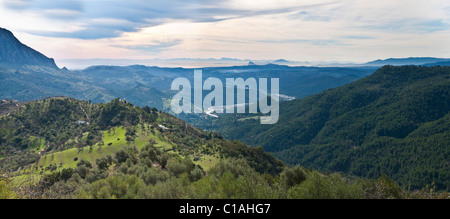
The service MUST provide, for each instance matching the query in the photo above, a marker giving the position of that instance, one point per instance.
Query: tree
(102, 163)
(121, 156)
(83, 168)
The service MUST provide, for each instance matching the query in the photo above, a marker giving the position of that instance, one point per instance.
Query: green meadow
(113, 141)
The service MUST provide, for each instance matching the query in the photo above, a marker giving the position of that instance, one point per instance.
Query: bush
(176, 166)
(6, 191)
(154, 175)
(293, 176)
(237, 167)
(127, 153)
(196, 174)
(383, 188)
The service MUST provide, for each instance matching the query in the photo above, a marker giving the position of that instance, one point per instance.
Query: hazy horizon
(79, 64)
(76, 64)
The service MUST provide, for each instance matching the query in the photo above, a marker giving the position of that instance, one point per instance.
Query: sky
(297, 30)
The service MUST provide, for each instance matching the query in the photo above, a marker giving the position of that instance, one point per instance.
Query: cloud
(16, 4)
(155, 47)
(62, 13)
(133, 15)
(139, 14)
(73, 5)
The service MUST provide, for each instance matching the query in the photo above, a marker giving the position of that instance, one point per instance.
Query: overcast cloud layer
(319, 30)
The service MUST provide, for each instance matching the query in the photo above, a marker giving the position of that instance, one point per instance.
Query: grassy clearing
(144, 135)
(114, 136)
(113, 141)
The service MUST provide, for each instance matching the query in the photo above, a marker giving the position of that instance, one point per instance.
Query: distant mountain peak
(15, 53)
(251, 63)
(281, 61)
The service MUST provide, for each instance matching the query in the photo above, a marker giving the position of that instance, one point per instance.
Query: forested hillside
(394, 122)
(57, 124)
(66, 148)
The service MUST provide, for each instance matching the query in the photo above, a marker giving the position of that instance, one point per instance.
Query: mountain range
(28, 75)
